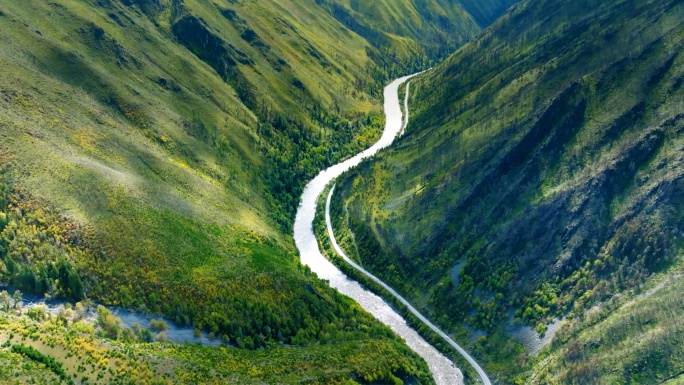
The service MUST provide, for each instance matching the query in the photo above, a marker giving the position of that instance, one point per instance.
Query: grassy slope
(133, 171)
(630, 339)
(406, 32)
(546, 157)
(175, 136)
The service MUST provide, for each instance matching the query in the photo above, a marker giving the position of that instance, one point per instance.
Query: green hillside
(159, 163)
(486, 12)
(406, 32)
(540, 177)
(152, 154)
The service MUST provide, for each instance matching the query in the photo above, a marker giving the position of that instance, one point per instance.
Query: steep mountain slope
(486, 12)
(107, 116)
(153, 152)
(541, 174)
(406, 32)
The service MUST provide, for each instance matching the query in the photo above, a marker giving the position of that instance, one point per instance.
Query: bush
(38, 312)
(158, 325)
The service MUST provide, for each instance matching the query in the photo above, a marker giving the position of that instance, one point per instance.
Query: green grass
(486, 12)
(546, 154)
(414, 32)
(17, 369)
(157, 151)
(49, 362)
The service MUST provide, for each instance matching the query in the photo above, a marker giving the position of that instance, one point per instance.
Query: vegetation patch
(49, 362)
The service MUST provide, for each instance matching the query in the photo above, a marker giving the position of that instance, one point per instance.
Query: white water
(443, 370)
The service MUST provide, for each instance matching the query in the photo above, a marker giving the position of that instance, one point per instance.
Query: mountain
(406, 31)
(541, 179)
(153, 152)
(486, 12)
(409, 31)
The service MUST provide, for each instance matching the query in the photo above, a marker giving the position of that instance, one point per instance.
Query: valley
(263, 177)
(442, 369)
(153, 153)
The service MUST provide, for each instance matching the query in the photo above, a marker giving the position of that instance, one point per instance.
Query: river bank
(443, 370)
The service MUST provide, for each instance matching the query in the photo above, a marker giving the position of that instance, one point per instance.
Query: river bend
(442, 369)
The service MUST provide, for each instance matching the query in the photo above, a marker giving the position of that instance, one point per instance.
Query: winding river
(443, 370)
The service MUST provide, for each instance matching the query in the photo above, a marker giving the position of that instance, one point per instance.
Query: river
(443, 370)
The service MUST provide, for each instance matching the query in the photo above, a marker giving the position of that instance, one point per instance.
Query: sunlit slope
(540, 174)
(153, 153)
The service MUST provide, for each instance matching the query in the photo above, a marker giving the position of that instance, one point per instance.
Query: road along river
(443, 370)
(340, 252)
